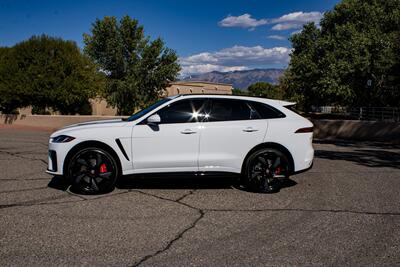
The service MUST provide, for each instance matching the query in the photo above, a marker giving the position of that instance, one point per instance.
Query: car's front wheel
(92, 171)
(264, 169)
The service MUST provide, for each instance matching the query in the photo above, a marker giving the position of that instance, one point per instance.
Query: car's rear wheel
(264, 169)
(92, 171)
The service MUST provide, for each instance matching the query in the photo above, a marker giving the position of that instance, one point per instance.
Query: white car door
(232, 129)
(173, 144)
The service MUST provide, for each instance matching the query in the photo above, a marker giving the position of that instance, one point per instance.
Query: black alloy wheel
(92, 171)
(265, 169)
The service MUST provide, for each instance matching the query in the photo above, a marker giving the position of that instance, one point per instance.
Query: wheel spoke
(276, 163)
(86, 179)
(79, 177)
(255, 174)
(105, 175)
(94, 184)
(266, 182)
(92, 162)
(269, 163)
(99, 159)
(262, 160)
(82, 162)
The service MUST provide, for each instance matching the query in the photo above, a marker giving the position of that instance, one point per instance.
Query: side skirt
(184, 174)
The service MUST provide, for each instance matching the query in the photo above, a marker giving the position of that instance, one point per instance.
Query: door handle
(188, 131)
(250, 129)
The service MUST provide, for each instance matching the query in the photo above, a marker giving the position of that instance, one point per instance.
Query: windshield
(143, 112)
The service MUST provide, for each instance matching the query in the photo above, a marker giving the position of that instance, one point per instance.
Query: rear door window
(230, 110)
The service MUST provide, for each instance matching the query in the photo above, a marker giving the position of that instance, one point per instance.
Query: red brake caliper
(278, 170)
(103, 168)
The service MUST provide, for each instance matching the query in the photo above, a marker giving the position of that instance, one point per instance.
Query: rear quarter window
(266, 112)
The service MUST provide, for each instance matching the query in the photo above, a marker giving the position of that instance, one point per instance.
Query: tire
(92, 170)
(264, 169)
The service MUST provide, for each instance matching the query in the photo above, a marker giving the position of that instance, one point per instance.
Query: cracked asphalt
(345, 211)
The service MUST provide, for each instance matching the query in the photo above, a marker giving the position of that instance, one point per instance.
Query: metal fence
(375, 113)
(363, 113)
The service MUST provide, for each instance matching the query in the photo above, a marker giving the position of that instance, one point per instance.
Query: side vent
(121, 148)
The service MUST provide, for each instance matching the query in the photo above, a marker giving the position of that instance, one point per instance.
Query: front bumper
(57, 154)
(52, 162)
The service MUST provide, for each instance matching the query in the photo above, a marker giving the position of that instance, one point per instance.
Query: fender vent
(122, 149)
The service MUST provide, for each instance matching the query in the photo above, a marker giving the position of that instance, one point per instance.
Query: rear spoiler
(286, 103)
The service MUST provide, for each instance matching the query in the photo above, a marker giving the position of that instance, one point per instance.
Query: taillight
(305, 130)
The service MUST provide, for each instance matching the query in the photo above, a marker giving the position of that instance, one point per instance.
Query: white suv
(261, 139)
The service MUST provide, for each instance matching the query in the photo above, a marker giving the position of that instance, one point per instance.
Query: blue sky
(207, 35)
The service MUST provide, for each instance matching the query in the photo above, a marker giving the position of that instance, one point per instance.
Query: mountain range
(239, 79)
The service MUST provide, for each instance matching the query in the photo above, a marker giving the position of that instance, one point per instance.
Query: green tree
(137, 69)
(264, 89)
(9, 99)
(3, 51)
(47, 72)
(237, 91)
(299, 81)
(358, 41)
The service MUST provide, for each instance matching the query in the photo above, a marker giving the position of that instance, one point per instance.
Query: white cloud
(294, 20)
(203, 68)
(286, 26)
(202, 58)
(296, 32)
(234, 58)
(276, 37)
(299, 17)
(242, 21)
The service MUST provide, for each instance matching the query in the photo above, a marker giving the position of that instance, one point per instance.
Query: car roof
(239, 97)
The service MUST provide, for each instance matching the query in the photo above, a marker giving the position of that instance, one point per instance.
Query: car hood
(95, 123)
(89, 125)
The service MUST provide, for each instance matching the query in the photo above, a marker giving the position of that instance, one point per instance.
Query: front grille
(52, 160)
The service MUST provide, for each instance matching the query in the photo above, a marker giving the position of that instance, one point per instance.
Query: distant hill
(239, 79)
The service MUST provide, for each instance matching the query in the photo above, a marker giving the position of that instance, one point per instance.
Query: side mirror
(154, 119)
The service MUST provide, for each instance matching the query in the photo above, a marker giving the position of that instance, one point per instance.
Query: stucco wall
(48, 121)
(100, 108)
(357, 130)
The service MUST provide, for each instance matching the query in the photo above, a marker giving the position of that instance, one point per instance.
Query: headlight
(62, 139)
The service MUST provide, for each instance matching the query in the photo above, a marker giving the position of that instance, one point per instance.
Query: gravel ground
(345, 211)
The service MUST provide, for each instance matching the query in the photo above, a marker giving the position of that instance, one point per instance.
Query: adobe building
(100, 107)
(189, 87)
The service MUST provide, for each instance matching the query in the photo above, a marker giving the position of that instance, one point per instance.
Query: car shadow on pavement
(174, 181)
(171, 181)
(365, 157)
(59, 183)
(189, 181)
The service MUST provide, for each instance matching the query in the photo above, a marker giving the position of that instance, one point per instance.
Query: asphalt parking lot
(345, 211)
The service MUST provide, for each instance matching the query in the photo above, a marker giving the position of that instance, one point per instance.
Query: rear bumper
(302, 152)
(51, 172)
(304, 170)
